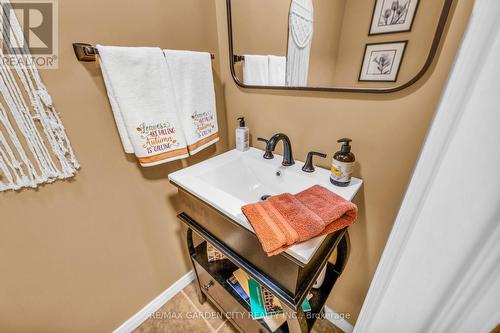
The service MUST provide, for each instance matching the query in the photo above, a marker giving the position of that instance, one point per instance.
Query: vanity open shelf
(220, 271)
(212, 283)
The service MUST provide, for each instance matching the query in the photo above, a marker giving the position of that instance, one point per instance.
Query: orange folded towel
(284, 220)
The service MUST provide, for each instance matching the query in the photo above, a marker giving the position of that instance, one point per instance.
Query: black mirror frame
(432, 53)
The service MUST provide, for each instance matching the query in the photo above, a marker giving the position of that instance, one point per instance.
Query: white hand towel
(256, 70)
(141, 95)
(277, 71)
(194, 90)
(120, 123)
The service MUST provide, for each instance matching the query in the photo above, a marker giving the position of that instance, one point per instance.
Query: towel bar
(87, 53)
(238, 58)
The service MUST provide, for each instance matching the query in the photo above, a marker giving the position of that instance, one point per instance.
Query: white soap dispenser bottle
(242, 136)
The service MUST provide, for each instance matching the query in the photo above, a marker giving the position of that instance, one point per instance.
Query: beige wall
(388, 131)
(86, 254)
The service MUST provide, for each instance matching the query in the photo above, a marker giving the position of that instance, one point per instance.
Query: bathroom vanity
(212, 194)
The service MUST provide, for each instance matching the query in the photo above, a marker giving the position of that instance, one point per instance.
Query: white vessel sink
(233, 179)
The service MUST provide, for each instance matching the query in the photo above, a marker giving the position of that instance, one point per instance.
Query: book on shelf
(233, 282)
(263, 304)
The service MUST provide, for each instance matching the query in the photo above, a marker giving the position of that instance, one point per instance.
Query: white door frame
(468, 293)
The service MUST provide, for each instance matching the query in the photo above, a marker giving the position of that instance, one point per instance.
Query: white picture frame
(382, 61)
(390, 16)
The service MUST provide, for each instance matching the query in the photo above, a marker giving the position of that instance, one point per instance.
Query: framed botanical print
(382, 61)
(391, 16)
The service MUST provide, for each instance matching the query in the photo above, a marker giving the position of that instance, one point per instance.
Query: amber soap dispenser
(342, 164)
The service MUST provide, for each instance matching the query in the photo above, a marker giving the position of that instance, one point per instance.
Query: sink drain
(265, 197)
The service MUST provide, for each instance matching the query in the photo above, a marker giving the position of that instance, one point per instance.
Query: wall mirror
(373, 46)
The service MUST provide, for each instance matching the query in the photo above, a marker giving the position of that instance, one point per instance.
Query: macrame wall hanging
(34, 147)
(300, 36)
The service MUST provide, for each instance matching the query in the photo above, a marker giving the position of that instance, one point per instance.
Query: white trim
(337, 320)
(136, 320)
(475, 48)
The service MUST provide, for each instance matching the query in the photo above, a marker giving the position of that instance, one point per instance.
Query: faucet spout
(287, 148)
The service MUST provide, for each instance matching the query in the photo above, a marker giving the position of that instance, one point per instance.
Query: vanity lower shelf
(213, 278)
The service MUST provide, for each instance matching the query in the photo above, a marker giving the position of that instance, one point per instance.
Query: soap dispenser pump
(342, 164)
(242, 136)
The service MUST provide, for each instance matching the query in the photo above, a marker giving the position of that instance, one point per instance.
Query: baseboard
(337, 320)
(136, 320)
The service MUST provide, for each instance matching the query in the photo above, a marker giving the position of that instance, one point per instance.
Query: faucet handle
(263, 140)
(308, 166)
(269, 154)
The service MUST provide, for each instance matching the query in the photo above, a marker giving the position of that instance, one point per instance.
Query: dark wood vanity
(287, 278)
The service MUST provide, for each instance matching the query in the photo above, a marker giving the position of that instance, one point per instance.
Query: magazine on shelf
(265, 306)
(233, 282)
(273, 322)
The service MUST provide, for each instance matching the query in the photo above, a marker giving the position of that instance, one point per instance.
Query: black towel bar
(87, 53)
(238, 58)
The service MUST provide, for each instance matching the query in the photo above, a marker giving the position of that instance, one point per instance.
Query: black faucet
(287, 151)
